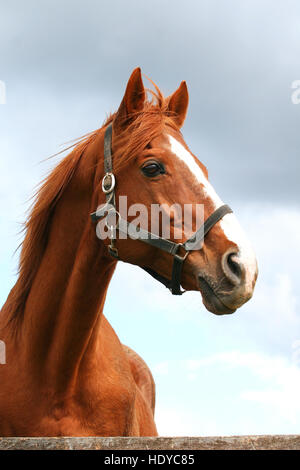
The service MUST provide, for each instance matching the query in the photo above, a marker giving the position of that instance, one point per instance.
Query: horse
(66, 371)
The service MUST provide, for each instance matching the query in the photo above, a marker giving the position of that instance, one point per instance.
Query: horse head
(154, 168)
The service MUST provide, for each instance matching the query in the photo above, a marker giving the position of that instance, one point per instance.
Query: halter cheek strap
(179, 251)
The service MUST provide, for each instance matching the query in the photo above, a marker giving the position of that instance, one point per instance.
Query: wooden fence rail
(276, 442)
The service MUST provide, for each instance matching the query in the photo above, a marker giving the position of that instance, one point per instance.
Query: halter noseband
(179, 251)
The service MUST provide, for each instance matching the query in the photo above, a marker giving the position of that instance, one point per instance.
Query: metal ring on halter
(175, 250)
(109, 189)
(110, 226)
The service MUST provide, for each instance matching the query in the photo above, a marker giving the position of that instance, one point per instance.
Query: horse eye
(153, 169)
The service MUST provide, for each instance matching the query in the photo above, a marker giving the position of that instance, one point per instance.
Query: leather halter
(179, 251)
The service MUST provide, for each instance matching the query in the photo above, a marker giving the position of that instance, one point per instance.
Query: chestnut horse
(66, 372)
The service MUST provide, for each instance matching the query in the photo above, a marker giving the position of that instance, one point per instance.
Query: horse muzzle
(235, 287)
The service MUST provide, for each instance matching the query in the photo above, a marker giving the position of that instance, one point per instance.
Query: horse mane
(36, 226)
(141, 129)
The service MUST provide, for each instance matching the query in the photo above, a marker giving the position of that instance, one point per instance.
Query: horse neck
(62, 316)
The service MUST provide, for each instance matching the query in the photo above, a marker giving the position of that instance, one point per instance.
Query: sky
(65, 65)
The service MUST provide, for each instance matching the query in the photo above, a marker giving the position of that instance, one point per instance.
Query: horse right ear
(133, 100)
(178, 104)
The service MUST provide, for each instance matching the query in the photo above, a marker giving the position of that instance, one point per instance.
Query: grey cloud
(66, 64)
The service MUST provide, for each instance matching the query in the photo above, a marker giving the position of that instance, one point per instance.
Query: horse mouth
(210, 299)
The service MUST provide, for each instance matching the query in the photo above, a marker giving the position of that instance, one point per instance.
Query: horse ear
(133, 100)
(178, 104)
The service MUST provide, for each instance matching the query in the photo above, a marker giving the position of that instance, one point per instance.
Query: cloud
(280, 379)
(263, 389)
(66, 67)
(181, 421)
(281, 294)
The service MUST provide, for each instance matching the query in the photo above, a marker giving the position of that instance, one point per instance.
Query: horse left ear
(133, 100)
(178, 104)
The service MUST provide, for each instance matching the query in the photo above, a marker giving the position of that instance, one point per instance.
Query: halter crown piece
(174, 249)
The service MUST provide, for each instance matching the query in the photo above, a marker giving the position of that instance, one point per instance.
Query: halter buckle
(108, 183)
(115, 223)
(176, 255)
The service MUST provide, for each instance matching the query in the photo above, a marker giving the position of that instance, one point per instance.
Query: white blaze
(229, 223)
(186, 157)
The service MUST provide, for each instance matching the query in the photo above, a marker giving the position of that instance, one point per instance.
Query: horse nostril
(233, 267)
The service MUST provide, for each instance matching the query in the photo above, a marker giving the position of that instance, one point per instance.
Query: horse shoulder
(142, 376)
